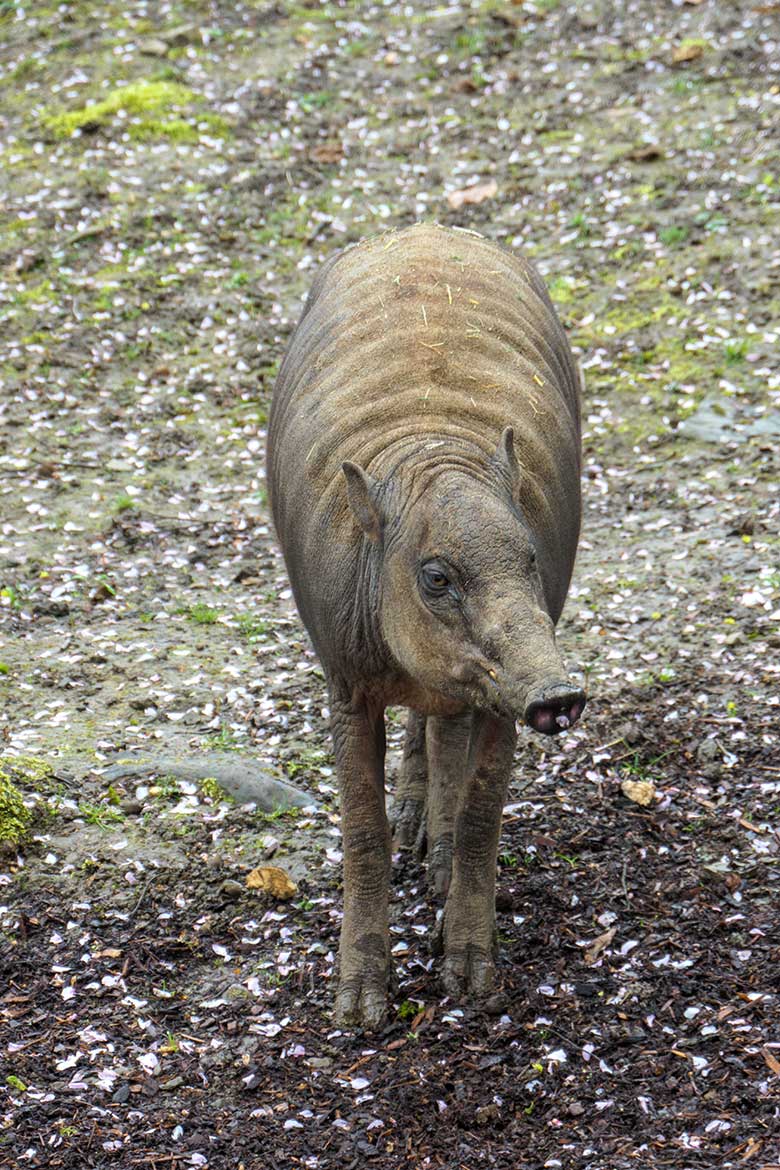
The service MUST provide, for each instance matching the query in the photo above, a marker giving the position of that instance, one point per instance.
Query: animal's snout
(552, 709)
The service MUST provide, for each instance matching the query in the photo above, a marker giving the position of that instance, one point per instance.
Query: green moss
(682, 367)
(138, 99)
(673, 235)
(179, 129)
(15, 817)
(42, 290)
(561, 289)
(32, 769)
(641, 312)
(213, 790)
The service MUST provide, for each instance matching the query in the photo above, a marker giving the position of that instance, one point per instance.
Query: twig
(141, 897)
(623, 881)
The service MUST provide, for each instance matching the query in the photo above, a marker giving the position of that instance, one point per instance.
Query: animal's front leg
(359, 746)
(468, 926)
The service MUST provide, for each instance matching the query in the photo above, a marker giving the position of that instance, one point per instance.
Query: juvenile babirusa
(424, 474)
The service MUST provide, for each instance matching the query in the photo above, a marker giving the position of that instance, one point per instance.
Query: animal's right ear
(363, 496)
(505, 460)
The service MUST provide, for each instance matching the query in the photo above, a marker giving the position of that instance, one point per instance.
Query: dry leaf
(751, 1149)
(423, 1017)
(645, 153)
(687, 51)
(771, 1061)
(693, 3)
(640, 791)
(512, 19)
(476, 194)
(327, 152)
(598, 944)
(272, 880)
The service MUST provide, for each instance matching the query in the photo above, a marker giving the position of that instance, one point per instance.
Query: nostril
(555, 710)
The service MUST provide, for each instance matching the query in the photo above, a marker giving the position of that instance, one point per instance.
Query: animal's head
(463, 607)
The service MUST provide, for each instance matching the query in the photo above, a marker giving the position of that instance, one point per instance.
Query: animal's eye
(434, 579)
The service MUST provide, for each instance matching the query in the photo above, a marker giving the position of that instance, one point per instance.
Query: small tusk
(562, 720)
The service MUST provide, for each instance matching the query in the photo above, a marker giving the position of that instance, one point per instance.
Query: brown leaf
(423, 1017)
(476, 194)
(272, 880)
(327, 152)
(693, 2)
(687, 51)
(598, 944)
(512, 19)
(771, 1061)
(645, 153)
(640, 791)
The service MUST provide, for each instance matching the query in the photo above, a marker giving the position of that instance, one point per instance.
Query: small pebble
(708, 751)
(504, 900)
(496, 1004)
(237, 992)
(231, 889)
(173, 1083)
(131, 807)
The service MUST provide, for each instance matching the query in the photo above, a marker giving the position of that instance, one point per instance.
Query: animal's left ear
(363, 494)
(505, 461)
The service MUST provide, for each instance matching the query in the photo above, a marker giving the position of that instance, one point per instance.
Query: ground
(173, 174)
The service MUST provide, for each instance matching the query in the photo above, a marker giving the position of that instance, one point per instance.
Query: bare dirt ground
(172, 175)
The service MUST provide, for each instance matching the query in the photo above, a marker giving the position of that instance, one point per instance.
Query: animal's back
(426, 336)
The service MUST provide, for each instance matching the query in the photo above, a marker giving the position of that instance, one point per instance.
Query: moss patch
(15, 817)
(143, 102)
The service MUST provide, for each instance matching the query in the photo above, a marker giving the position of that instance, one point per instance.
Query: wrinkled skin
(424, 475)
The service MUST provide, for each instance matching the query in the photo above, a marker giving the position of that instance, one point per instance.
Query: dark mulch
(636, 1020)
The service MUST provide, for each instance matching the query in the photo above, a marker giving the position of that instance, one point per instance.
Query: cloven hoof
(468, 973)
(361, 1003)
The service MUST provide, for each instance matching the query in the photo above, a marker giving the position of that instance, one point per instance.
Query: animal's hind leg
(447, 743)
(408, 809)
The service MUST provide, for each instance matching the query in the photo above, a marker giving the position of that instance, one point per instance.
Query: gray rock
(246, 781)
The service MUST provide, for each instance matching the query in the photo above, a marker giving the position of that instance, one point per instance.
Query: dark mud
(155, 248)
